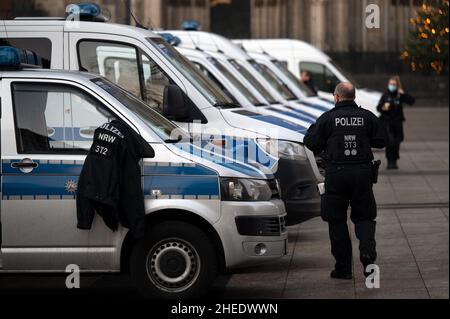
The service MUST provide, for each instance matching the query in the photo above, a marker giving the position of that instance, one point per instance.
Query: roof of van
(209, 42)
(288, 45)
(82, 26)
(48, 74)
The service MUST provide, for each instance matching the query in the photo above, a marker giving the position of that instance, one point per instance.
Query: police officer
(344, 136)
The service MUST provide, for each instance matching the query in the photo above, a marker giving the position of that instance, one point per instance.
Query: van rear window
(41, 46)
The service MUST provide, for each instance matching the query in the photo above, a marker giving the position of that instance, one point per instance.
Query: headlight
(284, 149)
(242, 189)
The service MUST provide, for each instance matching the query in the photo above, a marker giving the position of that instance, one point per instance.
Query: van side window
(126, 66)
(117, 62)
(41, 46)
(155, 81)
(55, 118)
(322, 77)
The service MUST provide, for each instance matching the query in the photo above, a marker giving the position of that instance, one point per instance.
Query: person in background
(391, 110)
(306, 78)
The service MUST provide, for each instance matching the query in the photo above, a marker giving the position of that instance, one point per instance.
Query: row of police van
(226, 121)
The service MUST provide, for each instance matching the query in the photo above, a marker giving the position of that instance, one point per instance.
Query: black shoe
(367, 260)
(341, 275)
(394, 165)
(390, 165)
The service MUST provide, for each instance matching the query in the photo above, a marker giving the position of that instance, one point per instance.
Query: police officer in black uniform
(345, 137)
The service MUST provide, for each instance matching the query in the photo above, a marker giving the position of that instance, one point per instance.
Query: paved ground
(412, 234)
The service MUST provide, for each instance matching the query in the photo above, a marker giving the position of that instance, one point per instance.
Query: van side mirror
(175, 106)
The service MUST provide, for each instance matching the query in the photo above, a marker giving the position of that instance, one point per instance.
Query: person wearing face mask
(391, 110)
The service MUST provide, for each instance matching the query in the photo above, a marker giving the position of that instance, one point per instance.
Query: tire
(173, 260)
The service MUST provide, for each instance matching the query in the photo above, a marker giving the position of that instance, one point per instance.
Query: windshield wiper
(227, 105)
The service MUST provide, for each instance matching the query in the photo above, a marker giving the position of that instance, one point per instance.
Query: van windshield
(235, 82)
(273, 80)
(208, 88)
(301, 86)
(155, 121)
(253, 81)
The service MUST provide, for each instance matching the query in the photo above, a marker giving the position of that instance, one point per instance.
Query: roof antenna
(215, 43)
(138, 24)
(196, 47)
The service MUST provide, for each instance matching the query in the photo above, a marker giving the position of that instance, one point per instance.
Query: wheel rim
(173, 265)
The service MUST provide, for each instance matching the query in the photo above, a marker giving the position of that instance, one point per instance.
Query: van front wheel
(174, 260)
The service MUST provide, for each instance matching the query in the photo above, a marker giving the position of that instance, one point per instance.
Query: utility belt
(374, 165)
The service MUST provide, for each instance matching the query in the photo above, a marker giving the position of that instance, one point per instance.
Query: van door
(47, 128)
(123, 61)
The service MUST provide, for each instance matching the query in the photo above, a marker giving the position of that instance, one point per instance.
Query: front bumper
(240, 243)
(299, 192)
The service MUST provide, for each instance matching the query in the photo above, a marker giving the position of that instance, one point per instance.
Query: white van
(265, 74)
(217, 67)
(203, 214)
(302, 56)
(198, 105)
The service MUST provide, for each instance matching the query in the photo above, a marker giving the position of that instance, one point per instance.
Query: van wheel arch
(173, 215)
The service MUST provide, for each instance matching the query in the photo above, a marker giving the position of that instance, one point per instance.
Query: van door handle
(26, 165)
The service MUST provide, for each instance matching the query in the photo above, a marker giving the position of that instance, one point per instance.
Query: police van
(267, 75)
(248, 94)
(301, 56)
(196, 103)
(204, 213)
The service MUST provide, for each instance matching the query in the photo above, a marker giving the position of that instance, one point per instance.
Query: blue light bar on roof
(190, 25)
(9, 58)
(88, 12)
(12, 58)
(171, 39)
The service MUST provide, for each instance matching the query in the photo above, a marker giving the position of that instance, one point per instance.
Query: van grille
(260, 226)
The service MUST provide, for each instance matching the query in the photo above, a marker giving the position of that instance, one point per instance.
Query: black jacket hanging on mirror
(110, 181)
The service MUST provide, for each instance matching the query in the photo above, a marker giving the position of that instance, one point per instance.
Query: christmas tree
(427, 47)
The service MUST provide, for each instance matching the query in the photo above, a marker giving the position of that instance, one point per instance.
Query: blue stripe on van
(317, 106)
(152, 168)
(38, 187)
(58, 180)
(183, 187)
(297, 115)
(46, 167)
(232, 161)
(280, 122)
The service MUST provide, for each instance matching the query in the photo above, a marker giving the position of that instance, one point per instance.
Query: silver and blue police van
(263, 69)
(144, 64)
(204, 213)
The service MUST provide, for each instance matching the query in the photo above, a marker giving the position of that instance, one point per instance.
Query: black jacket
(395, 101)
(346, 134)
(110, 181)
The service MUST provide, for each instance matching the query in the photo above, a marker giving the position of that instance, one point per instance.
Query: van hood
(272, 126)
(243, 158)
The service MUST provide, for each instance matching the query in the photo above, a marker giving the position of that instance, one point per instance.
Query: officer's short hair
(346, 91)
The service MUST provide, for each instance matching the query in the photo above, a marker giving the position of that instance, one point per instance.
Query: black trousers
(394, 137)
(349, 185)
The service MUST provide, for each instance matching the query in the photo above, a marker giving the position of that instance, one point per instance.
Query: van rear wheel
(174, 260)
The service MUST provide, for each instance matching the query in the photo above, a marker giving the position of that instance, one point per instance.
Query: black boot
(367, 260)
(394, 165)
(341, 275)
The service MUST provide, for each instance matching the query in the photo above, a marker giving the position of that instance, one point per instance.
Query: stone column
(340, 31)
(318, 26)
(152, 13)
